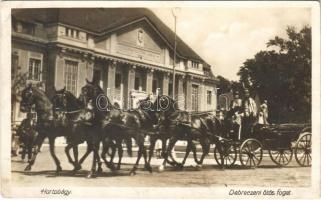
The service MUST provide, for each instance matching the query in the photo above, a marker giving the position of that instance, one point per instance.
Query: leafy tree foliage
(282, 76)
(226, 85)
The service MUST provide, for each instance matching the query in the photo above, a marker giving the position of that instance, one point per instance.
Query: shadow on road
(65, 173)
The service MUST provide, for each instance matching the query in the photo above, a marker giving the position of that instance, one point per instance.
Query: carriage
(280, 141)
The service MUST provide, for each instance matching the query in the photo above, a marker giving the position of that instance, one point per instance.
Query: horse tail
(129, 146)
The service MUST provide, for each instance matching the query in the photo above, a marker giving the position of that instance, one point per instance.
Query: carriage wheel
(281, 157)
(229, 156)
(251, 153)
(302, 150)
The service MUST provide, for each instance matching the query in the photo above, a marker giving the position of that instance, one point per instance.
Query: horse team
(92, 118)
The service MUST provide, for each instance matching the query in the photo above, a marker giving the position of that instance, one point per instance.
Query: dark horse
(82, 126)
(117, 125)
(126, 125)
(175, 124)
(49, 123)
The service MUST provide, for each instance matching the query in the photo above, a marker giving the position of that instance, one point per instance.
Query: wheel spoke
(254, 162)
(247, 160)
(286, 158)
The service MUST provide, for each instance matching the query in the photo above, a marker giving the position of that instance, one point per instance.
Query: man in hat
(234, 114)
(249, 113)
(263, 113)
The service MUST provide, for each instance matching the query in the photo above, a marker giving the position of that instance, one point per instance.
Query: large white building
(129, 51)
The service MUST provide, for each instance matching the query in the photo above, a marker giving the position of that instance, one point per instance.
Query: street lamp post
(174, 12)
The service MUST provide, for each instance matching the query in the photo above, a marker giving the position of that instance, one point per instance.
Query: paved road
(209, 175)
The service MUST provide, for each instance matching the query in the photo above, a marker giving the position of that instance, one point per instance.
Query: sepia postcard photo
(160, 99)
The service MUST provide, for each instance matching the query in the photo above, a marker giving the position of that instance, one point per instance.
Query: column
(149, 81)
(165, 83)
(188, 94)
(59, 70)
(180, 92)
(111, 80)
(202, 102)
(129, 86)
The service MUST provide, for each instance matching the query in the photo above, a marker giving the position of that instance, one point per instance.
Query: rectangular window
(170, 89)
(209, 97)
(117, 81)
(194, 65)
(137, 83)
(154, 86)
(71, 76)
(34, 69)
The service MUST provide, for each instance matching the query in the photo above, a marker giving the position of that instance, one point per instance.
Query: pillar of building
(59, 70)
(188, 101)
(180, 92)
(165, 83)
(202, 102)
(111, 80)
(149, 81)
(129, 87)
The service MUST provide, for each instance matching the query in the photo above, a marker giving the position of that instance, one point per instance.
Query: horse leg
(88, 151)
(76, 163)
(163, 147)
(140, 144)
(187, 152)
(106, 144)
(53, 154)
(39, 140)
(205, 149)
(92, 173)
(99, 162)
(167, 152)
(120, 153)
(151, 148)
(29, 150)
(147, 165)
(67, 151)
(23, 153)
(111, 145)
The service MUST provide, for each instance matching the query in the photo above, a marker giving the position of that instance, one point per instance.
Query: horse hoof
(199, 166)
(59, 169)
(132, 173)
(77, 168)
(91, 175)
(118, 168)
(111, 166)
(28, 168)
(100, 170)
(179, 166)
(161, 168)
(148, 168)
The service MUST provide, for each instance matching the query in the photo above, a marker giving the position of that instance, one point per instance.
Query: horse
(74, 110)
(49, 124)
(136, 124)
(175, 124)
(118, 125)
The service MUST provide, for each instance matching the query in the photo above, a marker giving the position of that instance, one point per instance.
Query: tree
(283, 76)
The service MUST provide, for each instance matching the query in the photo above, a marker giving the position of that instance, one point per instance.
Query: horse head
(59, 99)
(27, 99)
(33, 96)
(164, 106)
(93, 93)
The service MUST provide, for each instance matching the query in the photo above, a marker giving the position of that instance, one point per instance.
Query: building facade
(129, 52)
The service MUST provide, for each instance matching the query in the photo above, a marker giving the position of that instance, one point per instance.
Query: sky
(226, 37)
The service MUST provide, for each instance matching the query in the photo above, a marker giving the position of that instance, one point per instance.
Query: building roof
(100, 20)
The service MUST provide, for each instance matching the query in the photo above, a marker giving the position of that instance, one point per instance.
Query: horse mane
(41, 94)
